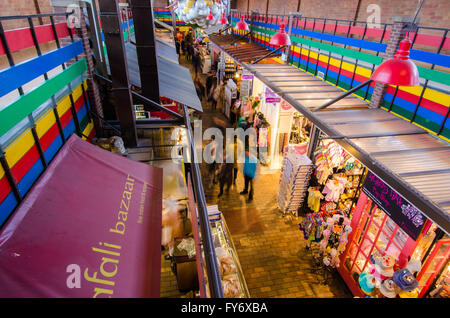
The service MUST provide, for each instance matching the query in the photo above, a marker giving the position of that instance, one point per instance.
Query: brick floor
(269, 246)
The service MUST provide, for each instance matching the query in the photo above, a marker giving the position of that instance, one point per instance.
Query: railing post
(292, 17)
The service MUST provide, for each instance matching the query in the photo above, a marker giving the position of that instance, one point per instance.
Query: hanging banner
(406, 216)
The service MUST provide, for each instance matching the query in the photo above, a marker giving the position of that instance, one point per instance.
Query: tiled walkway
(269, 246)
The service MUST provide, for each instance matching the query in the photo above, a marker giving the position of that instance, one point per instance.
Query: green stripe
(369, 58)
(433, 75)
(12, 114)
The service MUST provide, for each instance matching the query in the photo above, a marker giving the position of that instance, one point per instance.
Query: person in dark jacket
(225, 175)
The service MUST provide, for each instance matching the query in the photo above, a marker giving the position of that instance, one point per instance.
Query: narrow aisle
(269, 246)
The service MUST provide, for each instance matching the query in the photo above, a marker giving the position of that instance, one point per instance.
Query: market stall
(106, 244)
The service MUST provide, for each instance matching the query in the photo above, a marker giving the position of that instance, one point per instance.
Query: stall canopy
(240, 49)
(175, 81)
(406, 157)
(90, 227)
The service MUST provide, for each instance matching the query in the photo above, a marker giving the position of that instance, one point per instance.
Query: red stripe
(79, 103)
(48, 138)
(92, 134)
(5, 189)
(25, 163)
(425, 103)
(66, 118)
(19, 39)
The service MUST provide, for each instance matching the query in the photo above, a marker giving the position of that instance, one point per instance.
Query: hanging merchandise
(295, 173)
(204, 13)
(314, 198)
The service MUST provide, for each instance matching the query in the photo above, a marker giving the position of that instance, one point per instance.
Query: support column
(400, 27)
(92, 91)
(145, 47)
(292, 16)
(115, 45)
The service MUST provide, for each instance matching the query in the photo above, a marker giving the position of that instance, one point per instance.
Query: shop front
(288, 131)
(385, 224)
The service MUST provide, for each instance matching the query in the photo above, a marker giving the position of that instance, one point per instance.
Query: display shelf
(230, 268)
(222, 239)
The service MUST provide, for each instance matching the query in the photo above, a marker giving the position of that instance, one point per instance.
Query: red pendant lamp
(399, 70)
(242, 25)
(280, 38)
(210, 17)
(223, 20)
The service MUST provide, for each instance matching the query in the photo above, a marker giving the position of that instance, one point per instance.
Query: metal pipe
(212, 266)
(268, 54)
(345, 94)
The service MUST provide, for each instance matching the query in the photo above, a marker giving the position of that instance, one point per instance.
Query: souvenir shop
(357, 225)
(287, 130)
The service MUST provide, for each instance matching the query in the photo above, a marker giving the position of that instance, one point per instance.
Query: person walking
(225, 176)
(212, 165)
(196, 61)
(209, 83)
(216, 95)
(183, 46)
(249, 171)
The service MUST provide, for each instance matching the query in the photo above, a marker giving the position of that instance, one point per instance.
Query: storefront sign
(247, 77)
(406, 216)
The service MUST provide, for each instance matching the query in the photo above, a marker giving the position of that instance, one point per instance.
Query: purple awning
(92, 213)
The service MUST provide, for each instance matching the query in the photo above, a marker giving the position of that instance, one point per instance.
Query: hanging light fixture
(399, 70)
(210, 17)
(281, 37)
(242, 25)
(223, 20)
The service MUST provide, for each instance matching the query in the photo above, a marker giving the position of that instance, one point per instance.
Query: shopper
(209, 85)
(225, 175)
(183, 46)
(249, 171)
(216, 95)
(212, 165)
(196, 62)
(200, 88)
(177, 46)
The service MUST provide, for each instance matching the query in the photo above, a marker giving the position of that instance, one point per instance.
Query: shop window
(435, 270)
(375, 232)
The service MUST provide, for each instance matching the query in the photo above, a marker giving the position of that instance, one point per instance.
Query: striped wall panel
(314, 52)
(19, 39)
(23, 157)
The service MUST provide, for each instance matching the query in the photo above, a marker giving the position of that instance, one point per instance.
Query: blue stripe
(30, 177)
(269, 25)
(53, 149)
(20, 74)
(430, 115)
(400, 102)
(70, 128)
(7, 206)
(429, 57)
(82, 113)
(374, 46)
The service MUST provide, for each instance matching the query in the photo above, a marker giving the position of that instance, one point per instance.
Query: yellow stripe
(2, 173)
(63, 106)
(88, 130)
(45, 122)
(19, 148)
